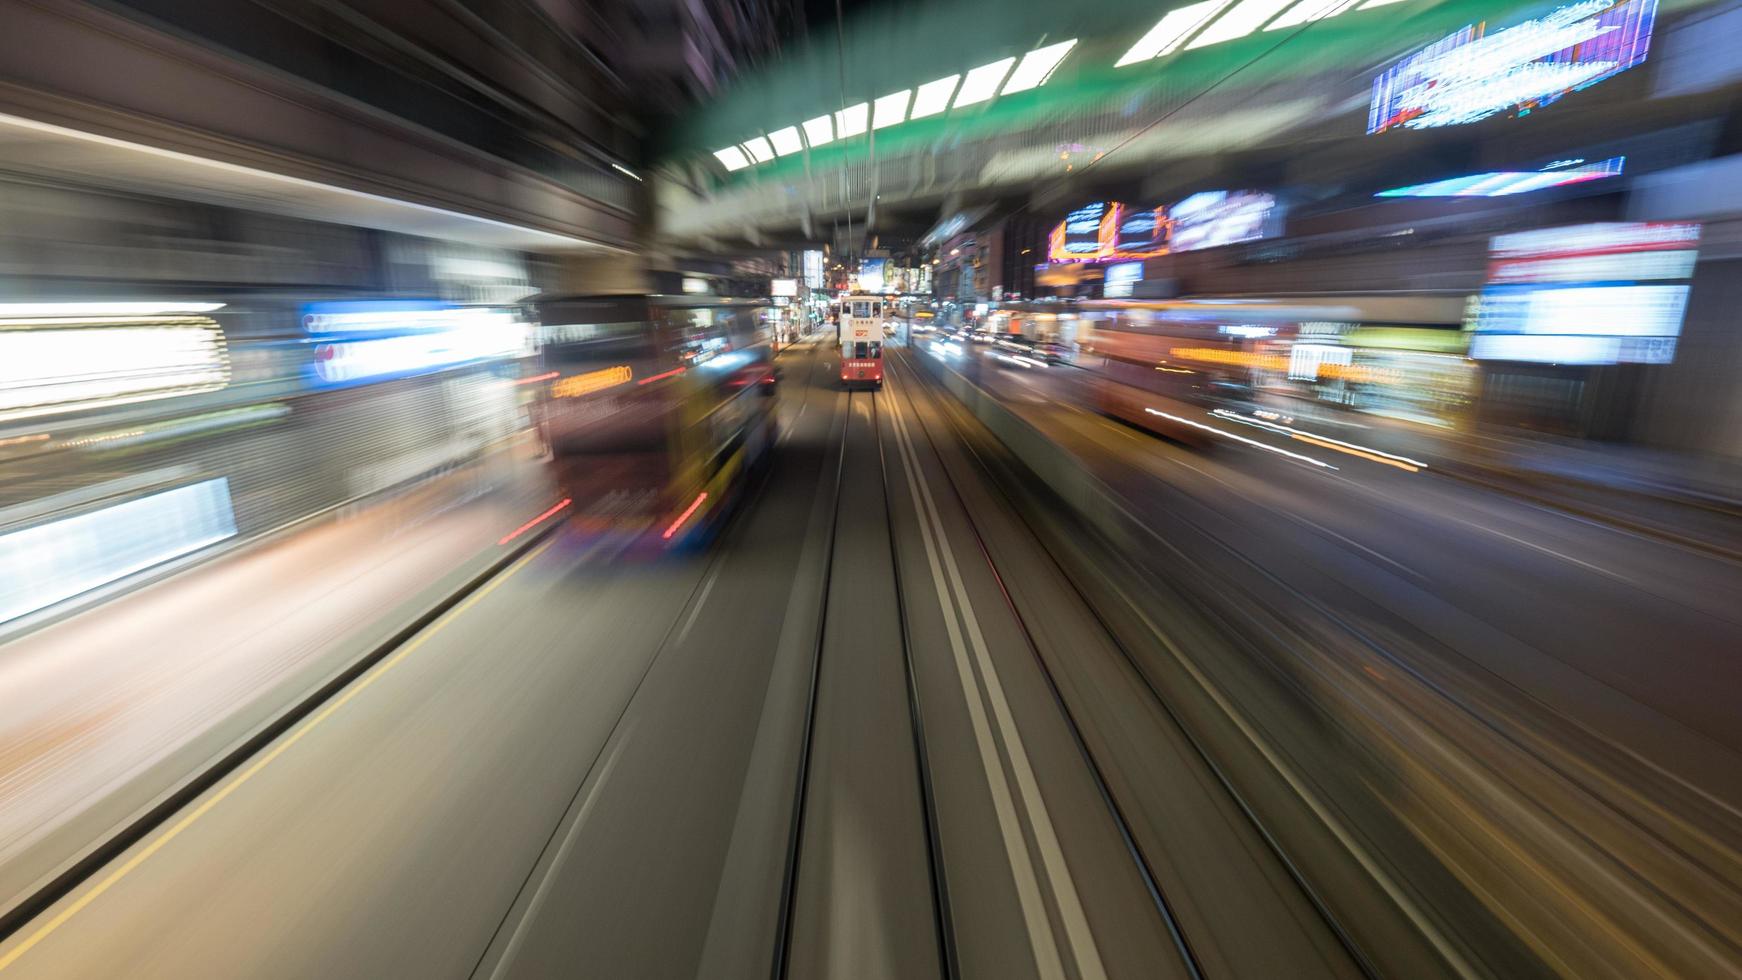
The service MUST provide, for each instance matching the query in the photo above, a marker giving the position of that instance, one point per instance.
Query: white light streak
(891, 109)
(1239, 22)
(786, 141)
(104, 309)
(819, 131)
(759, 149)
(1239, 438)
(1172, 30)
(981, 83)
(1037, 66)
(1278, 427)
(933, 97)
(852, 120)
(1308, 11)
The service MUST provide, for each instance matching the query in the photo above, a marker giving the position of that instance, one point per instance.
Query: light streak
(681, 518)
(1239, 438)
(529, 525)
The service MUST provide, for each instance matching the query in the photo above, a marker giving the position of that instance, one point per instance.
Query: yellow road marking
(144, 854)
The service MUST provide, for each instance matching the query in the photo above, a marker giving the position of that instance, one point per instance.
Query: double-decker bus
(654, 409)
(862, 322)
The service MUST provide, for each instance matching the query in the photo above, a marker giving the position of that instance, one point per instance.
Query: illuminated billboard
(1473, 74)
(1142, 232)
(376, 340)
(1121, 278)
(1108, 230)
(65, 357)
(1085, 234)
(813, 269)
(1502, 183)
(1215, 218)
(1609, 293)
(871, 275)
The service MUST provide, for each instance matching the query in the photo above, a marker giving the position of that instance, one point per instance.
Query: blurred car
(1054, 353)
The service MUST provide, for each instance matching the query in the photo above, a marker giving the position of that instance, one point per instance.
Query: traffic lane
(386, 835)
(666, 867)
(1236, 903)
(391, 837)
(863, 906)
(1597, 791)
(1555, 604)
(1029, 846)
(1555, 607)
(91, 731)
(1606, 837)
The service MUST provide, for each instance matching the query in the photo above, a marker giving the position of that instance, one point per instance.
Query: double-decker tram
(862, 323)
(654, 409)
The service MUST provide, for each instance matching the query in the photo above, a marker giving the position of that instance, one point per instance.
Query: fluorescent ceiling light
(891, 109)
(1037, 66)
(982, 83)
(933, 97)
(852, 120)
(819, 131)
(1239, 22)
(759, 149)
(733, 158)
(1308, 11)
(786, 141)
(625, 171)
(1172, 30)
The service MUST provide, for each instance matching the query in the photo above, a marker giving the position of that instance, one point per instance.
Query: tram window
(863, 349)
(862, 308)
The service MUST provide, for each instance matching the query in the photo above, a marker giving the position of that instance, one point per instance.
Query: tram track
(1163, 906)
(1517, 758)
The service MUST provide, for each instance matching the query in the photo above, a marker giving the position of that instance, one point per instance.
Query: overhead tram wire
(846, 181)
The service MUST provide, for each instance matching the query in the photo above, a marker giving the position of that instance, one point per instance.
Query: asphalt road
(908, 718)
(838, 740)
(1527, 714)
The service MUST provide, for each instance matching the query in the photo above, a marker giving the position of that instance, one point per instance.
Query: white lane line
(512, 949)
(1550, 551)
(1351, 542)
(1076, 923)
(1327, 817)
(701, 600)
(1040, 936)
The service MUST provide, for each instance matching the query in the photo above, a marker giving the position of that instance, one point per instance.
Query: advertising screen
(871, 275)
(1215, 218)
(813, 269)
(1082, 238)
(783, 287)
(1473, 74)
(373, 340)
(1142, 232)
(1610, 293)
(1120, 279)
